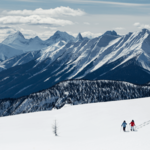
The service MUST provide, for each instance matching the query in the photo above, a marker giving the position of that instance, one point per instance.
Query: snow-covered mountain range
(16, 43)
(110, 56)
(29, 56)
(72, 92)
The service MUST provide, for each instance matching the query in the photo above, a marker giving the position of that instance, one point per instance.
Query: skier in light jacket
(132, 125)
(124, 126)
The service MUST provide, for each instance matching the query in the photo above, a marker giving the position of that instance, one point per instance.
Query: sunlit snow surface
(83, 127)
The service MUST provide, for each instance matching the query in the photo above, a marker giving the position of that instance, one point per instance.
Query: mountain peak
(17, 35)
(60, 33)
(57, 32)
(144, 30)
(111, 33)
(37, 38)
(79, 37)
(59, 36)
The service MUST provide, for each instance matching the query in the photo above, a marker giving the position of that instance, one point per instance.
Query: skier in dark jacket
(124, 126)
(132, 125)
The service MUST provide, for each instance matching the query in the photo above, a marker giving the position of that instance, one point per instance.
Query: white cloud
(86, 23)
(90, 34)
(7, 30)
(37, 21)
(56, 12)
(27, 33)
(4, 27)
(5, 33)
(48, 28)
(147, 26)
(119, 28)
(34, 20)
(136, 24)
(45, 35)
(109, 3)
(40, 16)
(141, 26)
(144, 26)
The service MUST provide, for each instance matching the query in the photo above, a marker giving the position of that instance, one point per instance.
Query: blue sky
(89, 17)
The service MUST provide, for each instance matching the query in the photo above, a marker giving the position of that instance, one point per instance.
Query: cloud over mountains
(56, 12)
(34, 20)
(140, 25)
(40, 16)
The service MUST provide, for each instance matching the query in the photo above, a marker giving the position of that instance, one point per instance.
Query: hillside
(90, 126)
(75, 92)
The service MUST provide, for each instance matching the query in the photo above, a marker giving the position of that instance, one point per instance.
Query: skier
(124, 126)
(132, 125)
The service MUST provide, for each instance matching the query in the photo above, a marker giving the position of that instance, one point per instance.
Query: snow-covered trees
(73, 92)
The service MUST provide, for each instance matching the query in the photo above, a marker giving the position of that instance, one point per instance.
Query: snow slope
(83, 127)
(24, 58)
(6, 52)
(59, 36)
(18, 41)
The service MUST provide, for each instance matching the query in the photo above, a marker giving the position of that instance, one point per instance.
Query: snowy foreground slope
(83, 127)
